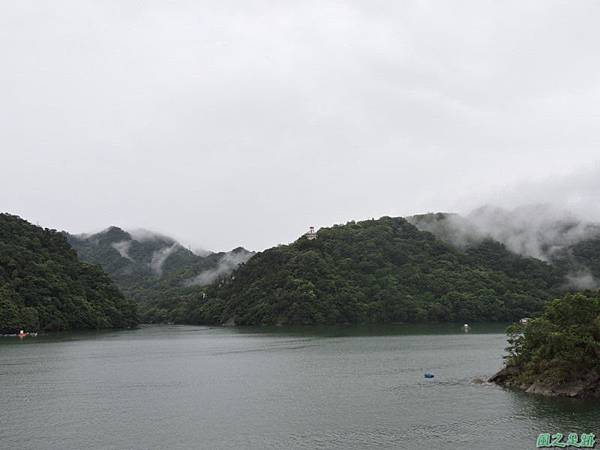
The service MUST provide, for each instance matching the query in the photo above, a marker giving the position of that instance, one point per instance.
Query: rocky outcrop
(505, 375)
(588, 386)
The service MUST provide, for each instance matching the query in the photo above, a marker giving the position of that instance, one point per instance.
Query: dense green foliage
(382, 270)
(562, 345)
(43, 286)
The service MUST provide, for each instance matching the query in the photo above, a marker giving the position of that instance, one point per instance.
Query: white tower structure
(311, 234)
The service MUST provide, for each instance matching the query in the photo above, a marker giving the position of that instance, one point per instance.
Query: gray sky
(232, 123)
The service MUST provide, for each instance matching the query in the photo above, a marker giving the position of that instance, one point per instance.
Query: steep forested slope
(44, 286)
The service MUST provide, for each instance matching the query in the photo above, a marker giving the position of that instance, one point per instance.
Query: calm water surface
(180, 387)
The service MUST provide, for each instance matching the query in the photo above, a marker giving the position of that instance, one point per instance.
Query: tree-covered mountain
(384, 270)
(44, 286)
(489, 265)
(154, 269)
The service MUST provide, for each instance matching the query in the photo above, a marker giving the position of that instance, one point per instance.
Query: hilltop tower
(311, 234)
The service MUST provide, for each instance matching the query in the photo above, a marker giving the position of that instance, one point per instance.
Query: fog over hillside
(140, 259)
(541, 231)
(226, 265)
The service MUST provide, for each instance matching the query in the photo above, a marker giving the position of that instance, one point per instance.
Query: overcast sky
(243, 122)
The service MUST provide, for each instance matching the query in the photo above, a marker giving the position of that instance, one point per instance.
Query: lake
(184, 387)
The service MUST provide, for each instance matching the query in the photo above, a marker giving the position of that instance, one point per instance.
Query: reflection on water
(180, 387)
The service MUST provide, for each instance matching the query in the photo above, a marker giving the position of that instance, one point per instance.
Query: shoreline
(584, 388)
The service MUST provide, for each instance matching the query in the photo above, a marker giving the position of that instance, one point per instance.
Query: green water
(180, 387)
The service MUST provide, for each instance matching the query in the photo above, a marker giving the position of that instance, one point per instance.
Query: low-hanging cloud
(575, 194)
(582, 279)
(160, 256)
(534, 218)
(543, 231)
(143, 235)
(227, 264)
(539, 231)
(123, 248)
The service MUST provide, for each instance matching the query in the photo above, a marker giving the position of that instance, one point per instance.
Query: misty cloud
(534, 230)
(227, 264)
(200, 251)
(544, 232)
(575, 194)
(582, 280)
(143, 235)
(539, 231)
(160, 256)
(123, 248)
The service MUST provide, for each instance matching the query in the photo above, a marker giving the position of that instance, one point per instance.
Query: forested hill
(382, 270)
(149, 267)
(44, 286)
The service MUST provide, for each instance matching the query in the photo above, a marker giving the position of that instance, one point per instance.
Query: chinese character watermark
(557, 440)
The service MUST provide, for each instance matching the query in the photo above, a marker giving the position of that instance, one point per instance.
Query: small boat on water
(428, 375)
